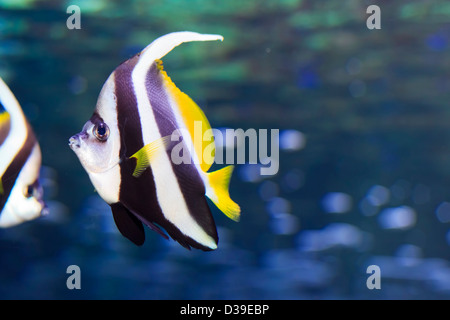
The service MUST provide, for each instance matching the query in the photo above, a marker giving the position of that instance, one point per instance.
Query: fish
(21, 194)
(126, 149)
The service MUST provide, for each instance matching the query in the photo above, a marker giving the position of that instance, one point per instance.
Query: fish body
(126, 149)
(21, 196)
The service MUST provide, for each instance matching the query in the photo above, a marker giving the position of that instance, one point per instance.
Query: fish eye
(33, 190)
(101, 131)
(29, 191)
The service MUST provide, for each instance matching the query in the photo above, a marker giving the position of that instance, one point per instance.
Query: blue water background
(364, 163)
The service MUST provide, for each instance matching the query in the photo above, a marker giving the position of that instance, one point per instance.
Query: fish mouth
(39, 195)
(45, 210)
(74, 142)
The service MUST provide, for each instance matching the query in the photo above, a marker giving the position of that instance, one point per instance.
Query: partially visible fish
(21, 196)
(126, 150)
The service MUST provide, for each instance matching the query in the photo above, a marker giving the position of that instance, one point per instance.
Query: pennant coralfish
(20, 161)
(126, 146)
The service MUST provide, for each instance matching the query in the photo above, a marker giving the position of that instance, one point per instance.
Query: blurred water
(364, 156)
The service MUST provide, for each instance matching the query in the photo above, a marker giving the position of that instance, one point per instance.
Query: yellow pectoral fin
(219, 182)
(148, 152)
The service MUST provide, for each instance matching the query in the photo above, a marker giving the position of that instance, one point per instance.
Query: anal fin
(141, 219)
(129, 225)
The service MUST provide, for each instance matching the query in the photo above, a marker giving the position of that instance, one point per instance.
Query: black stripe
(16, 165)
(188, 178)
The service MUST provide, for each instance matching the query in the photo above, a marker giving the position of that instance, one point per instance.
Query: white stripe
(107, 183)
(18, 130)
(187, 139)
(168, 191)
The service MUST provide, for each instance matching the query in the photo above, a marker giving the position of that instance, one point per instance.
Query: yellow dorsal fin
(219, 183)
(145, 155)
(191, 114)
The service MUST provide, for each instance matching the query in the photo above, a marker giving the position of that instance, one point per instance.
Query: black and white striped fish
(20, 162)
(126, 150)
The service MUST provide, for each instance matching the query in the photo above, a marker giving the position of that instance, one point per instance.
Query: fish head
(97, 146)
(94, 146)
(25, 201)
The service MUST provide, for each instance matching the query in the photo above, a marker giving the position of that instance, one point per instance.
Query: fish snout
(37, 191)
(40, 198)
(75, 140)
(45, 210)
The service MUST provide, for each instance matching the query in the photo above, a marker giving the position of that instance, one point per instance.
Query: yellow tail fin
(219, 182)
